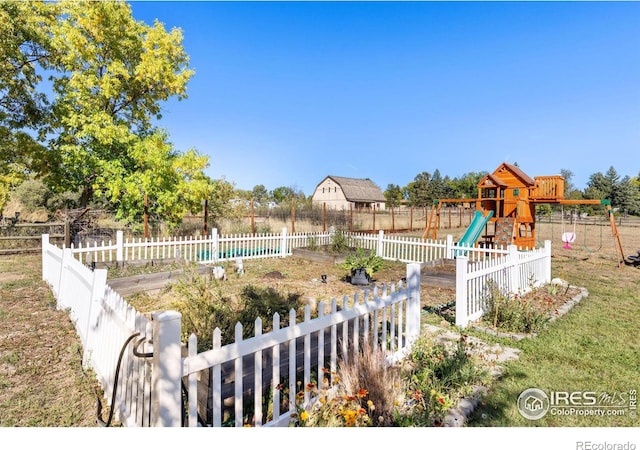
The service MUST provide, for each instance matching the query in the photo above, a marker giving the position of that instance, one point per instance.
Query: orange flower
(441, 400)
(362, 393)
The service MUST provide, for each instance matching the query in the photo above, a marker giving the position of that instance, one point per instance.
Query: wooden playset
(506, 208)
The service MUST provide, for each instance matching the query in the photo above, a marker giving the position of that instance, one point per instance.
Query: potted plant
(362, 265)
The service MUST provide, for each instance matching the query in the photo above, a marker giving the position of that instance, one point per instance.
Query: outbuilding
(346, 193)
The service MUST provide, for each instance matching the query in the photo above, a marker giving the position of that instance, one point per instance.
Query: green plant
(438, 376)
(264, 303)
(512, 313)
(361, 259)
(312, 243)
(339, 242)
(203, 309)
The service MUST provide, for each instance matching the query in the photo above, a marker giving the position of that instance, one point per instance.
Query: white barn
(343, 193)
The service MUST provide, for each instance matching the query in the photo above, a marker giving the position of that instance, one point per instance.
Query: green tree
(24, 43)
(418, 190)
(628, 196)
(286, 194)
(603, 186)
(466, 186)
(260, 193)
(394, 195)
(110, 75)
(174, 183)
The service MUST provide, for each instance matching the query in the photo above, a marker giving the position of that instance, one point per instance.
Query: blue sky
(286, 93)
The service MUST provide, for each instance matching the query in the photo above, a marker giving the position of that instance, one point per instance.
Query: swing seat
(568, 238)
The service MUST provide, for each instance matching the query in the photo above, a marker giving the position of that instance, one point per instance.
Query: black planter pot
(359, 277)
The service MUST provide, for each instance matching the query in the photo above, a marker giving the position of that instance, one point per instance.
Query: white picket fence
(104, 322)
(148, 384)
(142, 382)
(387, 322)
(217, 248)
(516, 272)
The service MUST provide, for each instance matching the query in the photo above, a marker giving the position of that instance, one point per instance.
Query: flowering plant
(332, 406)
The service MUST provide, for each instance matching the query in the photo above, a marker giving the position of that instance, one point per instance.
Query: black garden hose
(107, 423)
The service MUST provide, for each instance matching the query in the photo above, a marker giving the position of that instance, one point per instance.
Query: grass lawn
(593, 348)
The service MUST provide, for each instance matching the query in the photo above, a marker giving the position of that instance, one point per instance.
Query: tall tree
(24, 43)
(466, 186)
(110, 75)
(603, 186)
(394, 195)
(173, 183)
(260, 193)
(628, 196)
(418, 190)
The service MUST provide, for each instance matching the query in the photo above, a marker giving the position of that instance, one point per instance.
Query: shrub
(438, 376)
(339, 242)
(203, 308)
(511, 312)
(264, 303)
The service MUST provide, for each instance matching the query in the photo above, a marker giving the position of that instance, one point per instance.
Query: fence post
(462, 262)
(213, 247)
(283, 243)
(448, 251)
(45, 246)
(166, 406)
(98, 286)
(119, 248)
(515, 284)
(413, 307)
(547, 262)
(379, 245)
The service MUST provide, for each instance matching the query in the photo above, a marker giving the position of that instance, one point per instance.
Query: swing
(568, 237)
(585, 239)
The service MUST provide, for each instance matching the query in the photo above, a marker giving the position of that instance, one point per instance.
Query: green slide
(475, 229)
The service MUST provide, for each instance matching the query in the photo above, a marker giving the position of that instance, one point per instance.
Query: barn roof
(358, 189)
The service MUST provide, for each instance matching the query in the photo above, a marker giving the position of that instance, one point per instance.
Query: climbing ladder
(504, 231)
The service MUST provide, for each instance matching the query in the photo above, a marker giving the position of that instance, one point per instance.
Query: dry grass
(42, 382)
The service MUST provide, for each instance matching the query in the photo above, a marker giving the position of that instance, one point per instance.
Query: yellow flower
(304, 415)
(433, 392)
(350, 418)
